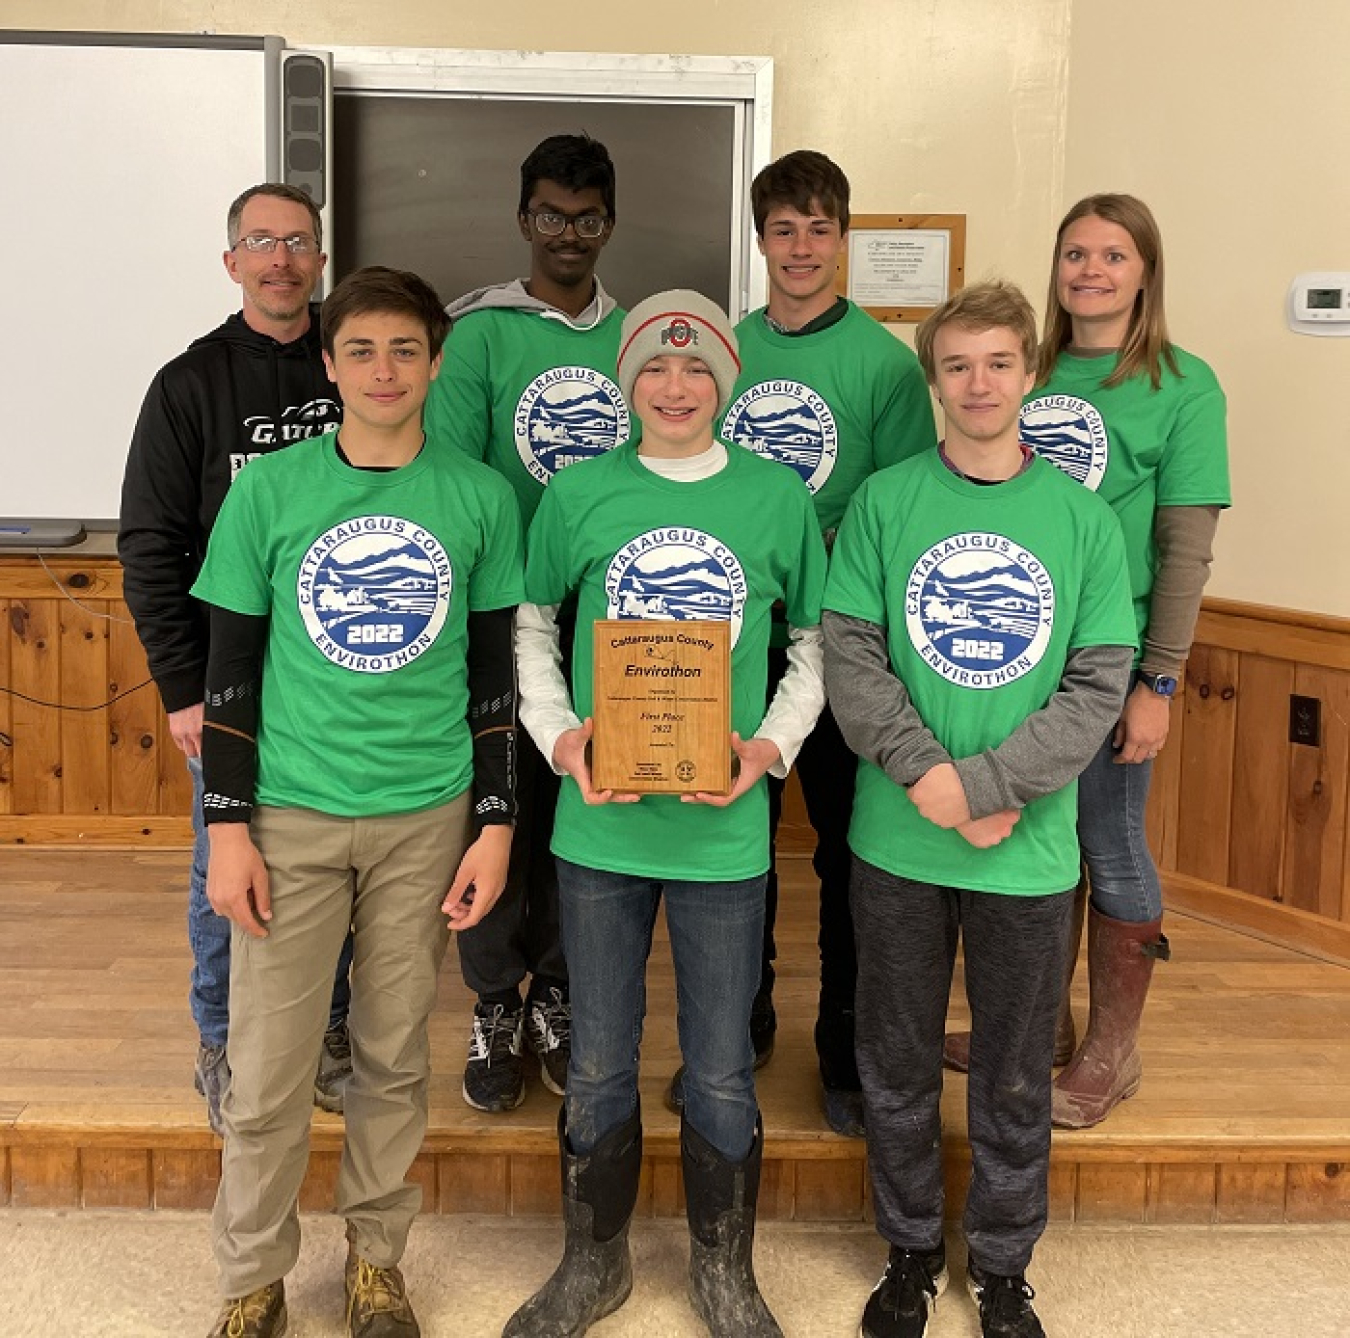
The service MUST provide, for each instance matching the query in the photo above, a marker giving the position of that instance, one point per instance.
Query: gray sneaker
(548, 1027)
(335, 1069)
(211, 1078)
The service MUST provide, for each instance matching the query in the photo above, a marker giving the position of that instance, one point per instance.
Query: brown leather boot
(956, 1044)
(1107, 1068)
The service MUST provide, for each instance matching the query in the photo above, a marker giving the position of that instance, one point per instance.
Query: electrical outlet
(1305, 720)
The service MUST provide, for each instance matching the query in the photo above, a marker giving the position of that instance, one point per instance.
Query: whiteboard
(120, 159)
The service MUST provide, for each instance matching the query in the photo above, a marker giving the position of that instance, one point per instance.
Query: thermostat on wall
(1319, 304)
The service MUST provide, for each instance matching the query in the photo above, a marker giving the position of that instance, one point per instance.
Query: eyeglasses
(549, 224)
(298, 244)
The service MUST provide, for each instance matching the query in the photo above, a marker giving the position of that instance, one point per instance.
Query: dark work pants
(827, 770)
(522, 934)
(1014, 963)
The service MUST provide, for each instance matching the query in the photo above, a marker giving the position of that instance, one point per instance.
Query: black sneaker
(211, 1076)
(548, 1028)
(335, 1069)
(763, 1025)
(1005, 1304)
(902, 1302)
(494, 1077)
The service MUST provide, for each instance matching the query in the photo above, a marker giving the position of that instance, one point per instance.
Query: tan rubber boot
(1107, 1068)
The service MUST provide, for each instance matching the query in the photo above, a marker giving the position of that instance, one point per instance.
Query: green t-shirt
(1136, 447)
(631, 543)
(368, 579)
(983, 592)
(529, 395)
(835, 406)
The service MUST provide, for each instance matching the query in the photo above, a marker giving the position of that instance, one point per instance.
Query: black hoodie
(233, 395)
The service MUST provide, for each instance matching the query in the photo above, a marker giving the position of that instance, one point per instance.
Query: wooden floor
(1244, 1115)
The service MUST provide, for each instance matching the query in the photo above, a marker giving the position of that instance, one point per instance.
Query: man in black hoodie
(251, 386)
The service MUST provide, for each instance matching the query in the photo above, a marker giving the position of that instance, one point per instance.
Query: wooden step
(1244, 1115)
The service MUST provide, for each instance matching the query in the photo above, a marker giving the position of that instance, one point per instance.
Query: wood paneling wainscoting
(1250, 828)
(72, 773)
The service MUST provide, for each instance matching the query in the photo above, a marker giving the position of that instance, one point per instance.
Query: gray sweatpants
(1014, 962)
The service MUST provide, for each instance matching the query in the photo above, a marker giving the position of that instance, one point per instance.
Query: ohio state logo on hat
(679, 333)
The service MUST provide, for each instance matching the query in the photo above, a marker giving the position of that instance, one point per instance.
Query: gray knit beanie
(685, 324)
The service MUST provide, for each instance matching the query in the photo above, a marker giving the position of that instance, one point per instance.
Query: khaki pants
(386, 878)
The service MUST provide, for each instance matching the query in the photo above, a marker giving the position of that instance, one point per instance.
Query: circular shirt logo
(678, 574)
(1068, 432)
(374, 593)
(567, 414)
(790, 423)
(980, 609)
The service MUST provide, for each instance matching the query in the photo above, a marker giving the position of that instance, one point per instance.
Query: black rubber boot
(596, 1273)
(720, 1198)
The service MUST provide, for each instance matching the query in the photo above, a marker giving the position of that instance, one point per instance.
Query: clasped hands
(941, 798)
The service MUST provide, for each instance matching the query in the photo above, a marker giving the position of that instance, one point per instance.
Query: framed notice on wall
(899, 267)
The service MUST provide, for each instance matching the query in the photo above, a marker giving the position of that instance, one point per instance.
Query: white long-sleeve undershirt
(546, 704)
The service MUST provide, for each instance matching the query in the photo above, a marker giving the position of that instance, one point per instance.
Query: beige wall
(1232, 120)
(1005, 111)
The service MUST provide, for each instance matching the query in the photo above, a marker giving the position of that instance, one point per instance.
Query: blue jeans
(716, 936)
(209, 939)
(1111, 803)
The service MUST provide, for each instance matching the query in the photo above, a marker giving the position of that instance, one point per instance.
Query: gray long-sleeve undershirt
(1184, 537)
(1043, 754)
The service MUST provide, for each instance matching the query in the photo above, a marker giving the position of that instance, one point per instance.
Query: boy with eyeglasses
(529, 388)
(250, 387)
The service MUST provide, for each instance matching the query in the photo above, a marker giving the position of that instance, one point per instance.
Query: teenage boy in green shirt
(979, 637)
(826, 390)
(358, 752)
(662, 530)
(529, 388)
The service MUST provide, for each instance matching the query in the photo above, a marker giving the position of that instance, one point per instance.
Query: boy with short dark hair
(529, 388)
(827, 391)
(359, 761)
(979, 636)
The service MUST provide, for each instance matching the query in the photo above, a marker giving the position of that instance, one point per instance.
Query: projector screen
(121, 156)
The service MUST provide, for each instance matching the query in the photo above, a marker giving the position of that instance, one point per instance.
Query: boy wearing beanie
(729, 534)
(826, 390)
(529, 388)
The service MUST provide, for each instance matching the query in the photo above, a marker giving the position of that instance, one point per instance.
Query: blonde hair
(1146, 345)
(994, 305)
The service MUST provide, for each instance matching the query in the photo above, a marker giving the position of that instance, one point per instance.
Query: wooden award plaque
(662, 707)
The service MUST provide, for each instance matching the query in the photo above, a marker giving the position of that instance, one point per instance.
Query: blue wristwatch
(1163, 684)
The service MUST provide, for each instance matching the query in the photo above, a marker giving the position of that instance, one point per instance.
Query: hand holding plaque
(662, 707)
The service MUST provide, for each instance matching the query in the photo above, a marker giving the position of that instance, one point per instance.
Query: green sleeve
(904, 426)
(805, 585)
(498, 580)
(548, 577)
(855, 585)
(1194, 468)
(459, 408)
(1105, 615)
(234, 575)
